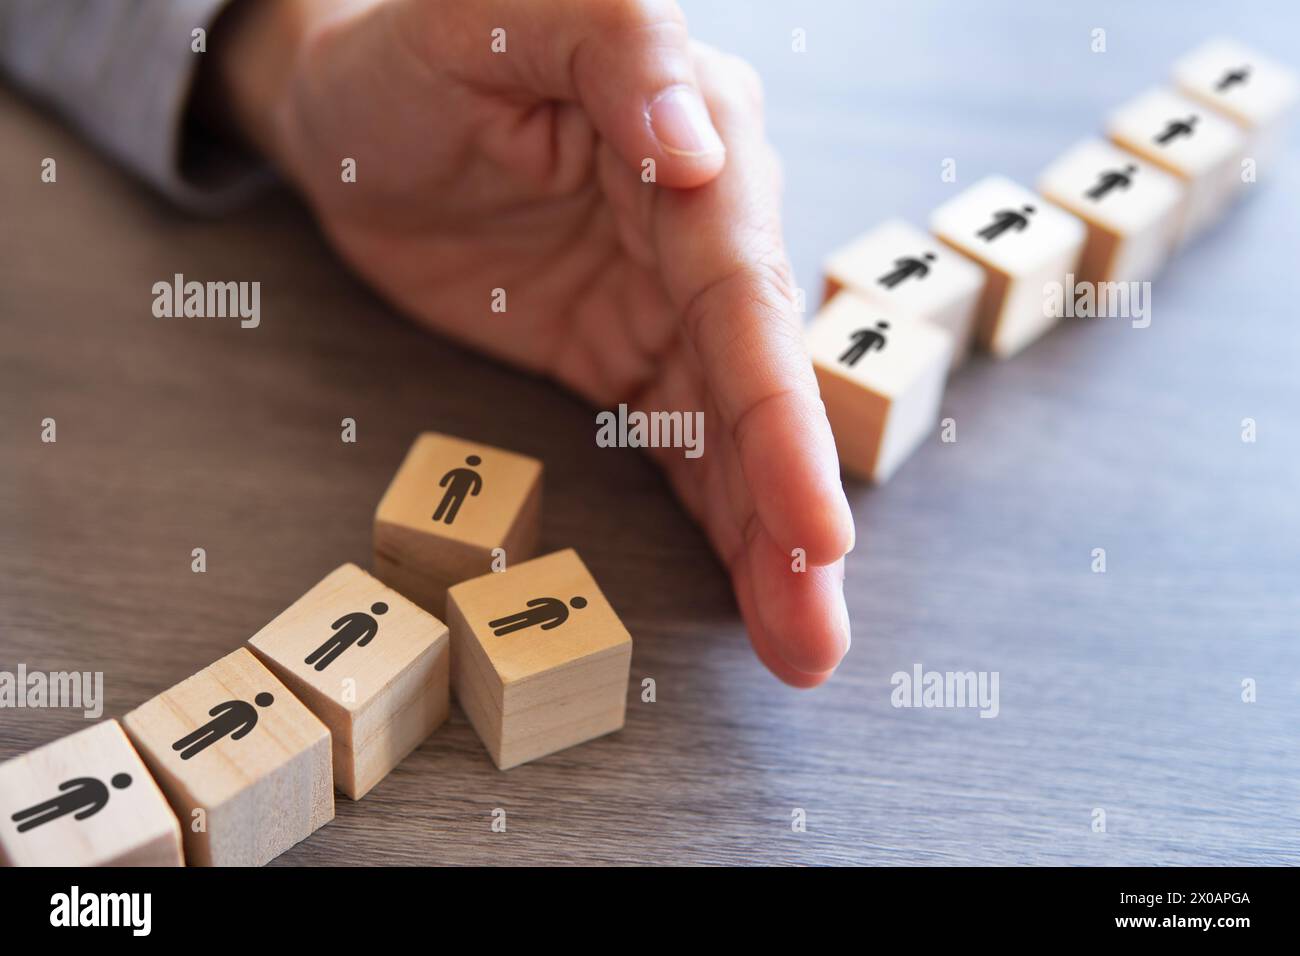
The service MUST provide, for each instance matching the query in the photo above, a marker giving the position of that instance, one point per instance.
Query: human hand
(522, 170)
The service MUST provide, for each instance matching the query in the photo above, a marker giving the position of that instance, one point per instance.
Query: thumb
(627, 63)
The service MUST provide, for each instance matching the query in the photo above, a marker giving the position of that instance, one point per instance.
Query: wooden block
(1023, 244)
(540, 661)
(234, 743)
(1256, 93)
(369, 663)
(908, 272)
(1130, 208)
(1189, 141)
(881, 379)
(85, 800)
(450, 504)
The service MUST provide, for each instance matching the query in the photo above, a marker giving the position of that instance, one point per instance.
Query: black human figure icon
(1177, 128)
(549, 612)
(235, 718)
(1005, 219)
(459, 482)
(81, 796)
(907, 266)
(357, 628)
(1237, 76)
(864, 340)
(1112, 179)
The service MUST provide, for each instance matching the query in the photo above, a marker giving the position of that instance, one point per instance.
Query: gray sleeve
(122, 71)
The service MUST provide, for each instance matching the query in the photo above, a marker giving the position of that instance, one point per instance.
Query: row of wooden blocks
(901, 310)
(239, 762)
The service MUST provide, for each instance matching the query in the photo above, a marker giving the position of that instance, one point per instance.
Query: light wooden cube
(881, 378)
(908, 272)
(85, 800)
(1023, 244)
(1130, 208)
(1189, 141)
(540, 661)
(1257, 93)
(369, 663)
(450, 505)
(233, 742)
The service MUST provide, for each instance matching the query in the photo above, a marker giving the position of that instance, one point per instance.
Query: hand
(522, 170)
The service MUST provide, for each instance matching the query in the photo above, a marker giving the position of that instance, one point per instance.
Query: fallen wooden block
(1129, 206)
(906, 272)
(1022, 243)
(881, 378)
(1188, 141)
(245, 764)
(85, 800)
(369, 663)
(452, 510)
(540, 660)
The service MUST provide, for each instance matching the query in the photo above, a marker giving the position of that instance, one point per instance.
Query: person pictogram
(233, 718)
(357, 628)
(1233, 78)
(1112, 179)
(906, 267)
(459, 482)
(864, 341)
(1177, 128)
(1005, 219)
(548, 612)
(81, 796)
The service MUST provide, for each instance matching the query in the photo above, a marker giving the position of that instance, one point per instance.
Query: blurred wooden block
(85, 800)
(449, 506)
(1129, 206)
(881, 378)
(234, 744)
(1190, 142)
(369, 663)
(1257, 93)
(908, 272)
(1022, 243)
(540, 661)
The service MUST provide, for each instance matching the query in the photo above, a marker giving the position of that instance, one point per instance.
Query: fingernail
(680, 122)
(845, 625)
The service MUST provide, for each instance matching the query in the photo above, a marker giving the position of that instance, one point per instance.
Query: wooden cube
(881, 379)
(540, 661)
(450, 505)
(369, 663)
(1022, 243)
(85, 800)
(1130, 208)
(908, 272)
(1257, 93)
(1189, 141)
(244, 763)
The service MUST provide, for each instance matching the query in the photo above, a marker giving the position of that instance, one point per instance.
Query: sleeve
(121, 71)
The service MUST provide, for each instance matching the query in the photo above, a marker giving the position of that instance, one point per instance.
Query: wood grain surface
(1119, 691)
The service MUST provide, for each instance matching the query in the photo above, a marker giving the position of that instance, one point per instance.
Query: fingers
(627, 62)
(720, 251)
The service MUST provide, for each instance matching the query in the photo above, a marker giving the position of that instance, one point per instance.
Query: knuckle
(625, 16)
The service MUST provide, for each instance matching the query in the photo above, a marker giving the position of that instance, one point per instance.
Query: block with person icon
(455, 510)
(881, 378)
(1022, 243)
(1257, 93)
(908, 272)
(1129, 206)
(372, 665)
(1191, 142)
(540, 660)
(244, 764)
(86, 799)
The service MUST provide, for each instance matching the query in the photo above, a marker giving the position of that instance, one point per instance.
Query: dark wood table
(1120, 691)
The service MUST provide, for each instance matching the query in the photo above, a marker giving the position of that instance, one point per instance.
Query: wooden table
(1119, 691)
